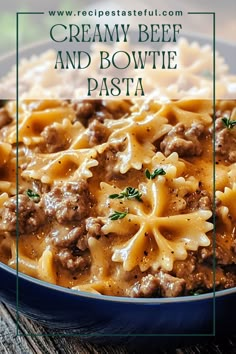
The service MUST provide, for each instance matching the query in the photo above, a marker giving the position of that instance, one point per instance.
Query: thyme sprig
(229, 124)
(128, 193)
(157, 172)
(118, 215)
(32, 195)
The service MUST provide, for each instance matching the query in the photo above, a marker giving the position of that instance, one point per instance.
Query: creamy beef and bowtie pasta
(117, 197)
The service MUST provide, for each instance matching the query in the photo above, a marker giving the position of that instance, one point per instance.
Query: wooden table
(12, 344)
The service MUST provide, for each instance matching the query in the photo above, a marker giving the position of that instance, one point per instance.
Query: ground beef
(68, 202)
(71, 261)
(197, 200)
(5, 118)
(159, 285)
(82, 243)
(189, 271)
(198, 274)
(233, 246)
(39, 187)
(93, 227)
(195, 277)
(107, 161)
(55, 138)
(97, 133)
(80, 235)
(171, 286)
(229, 278)
(149, 286)
(223, 255)
(220, 214)
(64, 238)
(89, 110)
(30, 215)
(36, 186)
(225, 141)
(77, 236)
(184, 141)
(84, 109)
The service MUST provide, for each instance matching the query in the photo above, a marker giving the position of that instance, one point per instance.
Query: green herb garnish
(157, 172)
(229, 124)
(31, 194)
(118, 215)
(128, 193)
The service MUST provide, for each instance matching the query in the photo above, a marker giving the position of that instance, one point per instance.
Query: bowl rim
(128, 300)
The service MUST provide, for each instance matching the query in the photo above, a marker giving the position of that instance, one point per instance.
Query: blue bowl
(97, 317)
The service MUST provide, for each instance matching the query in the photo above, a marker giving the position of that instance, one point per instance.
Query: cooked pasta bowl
(115, 220)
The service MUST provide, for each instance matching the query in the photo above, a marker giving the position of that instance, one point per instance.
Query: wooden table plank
(12, 344)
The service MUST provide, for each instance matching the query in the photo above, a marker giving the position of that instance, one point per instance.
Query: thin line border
(18, 334)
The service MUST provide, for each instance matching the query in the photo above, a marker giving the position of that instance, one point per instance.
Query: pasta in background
(192, 77)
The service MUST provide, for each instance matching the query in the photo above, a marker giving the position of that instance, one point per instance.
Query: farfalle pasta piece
(189, 111)
(136, 135)
(198, 59)
(97, 287)
(154, 239)
(67, 165)
(228, 198)
(46, 268)
(25, 264)
(172, 166)
(223, 215)
(159, 252)
(32, 124)
(3, 198)
(7, 187)
(68, 132)
(100, 264)
(184, 186)
(186, 111)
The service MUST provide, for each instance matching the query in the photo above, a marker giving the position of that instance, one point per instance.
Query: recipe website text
(117, 13)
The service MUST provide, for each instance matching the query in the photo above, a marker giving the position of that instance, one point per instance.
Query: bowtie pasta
(117, 197)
